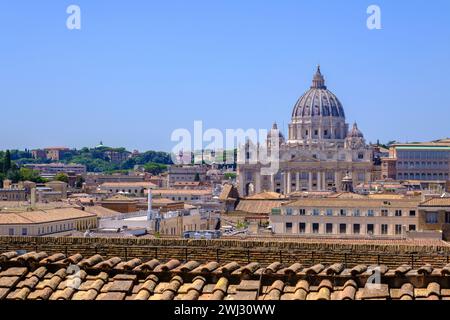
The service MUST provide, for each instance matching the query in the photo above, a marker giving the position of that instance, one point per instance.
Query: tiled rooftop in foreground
(38, 276)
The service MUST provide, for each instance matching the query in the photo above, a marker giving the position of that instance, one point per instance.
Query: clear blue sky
(137, 70)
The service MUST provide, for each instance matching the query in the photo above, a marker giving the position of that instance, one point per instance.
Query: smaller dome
(355, 132)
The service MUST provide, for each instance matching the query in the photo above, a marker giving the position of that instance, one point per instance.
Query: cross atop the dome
(318, 80)
(318, 69)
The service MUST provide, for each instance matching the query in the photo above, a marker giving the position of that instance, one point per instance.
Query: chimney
(33, 198)
(149, 204)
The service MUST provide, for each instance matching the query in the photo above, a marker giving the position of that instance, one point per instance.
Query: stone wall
(242, 251)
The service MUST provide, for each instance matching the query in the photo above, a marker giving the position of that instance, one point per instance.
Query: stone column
(318, 181)
(272, 182)
(257, 181)
(283, 177)
(289, 182)
(310, 184)
(337, 180)
(324, 180)
(297, 181)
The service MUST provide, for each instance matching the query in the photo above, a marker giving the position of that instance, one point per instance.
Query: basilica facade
(321, 152)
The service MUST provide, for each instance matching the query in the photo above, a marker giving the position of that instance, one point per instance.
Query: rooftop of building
(143, 184)
(268, 195)
(101, 212)
(196, 192)
(259, 206)
(436, 202)
(42, 216)
(58, 164)
(119, 198)
(20, 206)
(442, 143)
(355, 203)
(42, 276)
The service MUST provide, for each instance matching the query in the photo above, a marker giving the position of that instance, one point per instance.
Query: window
(289, 211)
(356, 213)
(412, 213)
(11, 231)
(302, 227)
(325, 132)
(342, 228)
(315, 228)
(356, 229)
(447, 217)
(24, 231)
(329, 212)
(302, 212)
(288, 227)
(343, 212)
(316, 132)
(384, 229)
(316, 212)
(370, 213)
(398, 229)
(360, 155)
(412, 227)
(370, 229)
(384, 212)
(398, 213)
(431, 217)
(329, 228)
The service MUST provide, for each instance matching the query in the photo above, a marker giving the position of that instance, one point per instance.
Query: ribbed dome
(318, 101)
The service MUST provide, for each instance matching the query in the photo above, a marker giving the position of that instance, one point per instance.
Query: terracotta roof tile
(195, 280)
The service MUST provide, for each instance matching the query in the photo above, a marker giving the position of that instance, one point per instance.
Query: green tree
(7, 162)
(62, 177)
(230, 175)
(155, 168)
(27, 174)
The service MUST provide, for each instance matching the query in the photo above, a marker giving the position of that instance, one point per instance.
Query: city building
(160, 181)
(434, 215)
(39, 154)
(176, 223)
(95, 179)
(186, 195)
(429, 161)
(116, 156)
(13, 194)
(121, 203)
(136, 189)
(50, 170)
(319, 152)
(53, 153)
(354, 218)
(186, 173)
(258, 207)
(43, 222)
